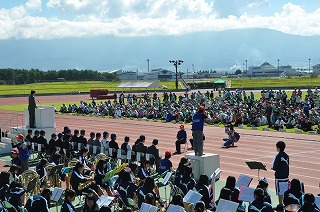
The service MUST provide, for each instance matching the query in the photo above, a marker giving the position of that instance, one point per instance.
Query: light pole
(148, 64)
(243, 68)
(278, 68)
(176, 63)
(187, 73)
(309, 65)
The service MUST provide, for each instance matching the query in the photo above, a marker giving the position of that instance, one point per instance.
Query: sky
(54, 19)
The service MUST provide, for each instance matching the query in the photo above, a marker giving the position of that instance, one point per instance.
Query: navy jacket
(281, 166)
(198, 121)
(260, 205)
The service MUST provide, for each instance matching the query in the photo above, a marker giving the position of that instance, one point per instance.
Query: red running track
(254, 145)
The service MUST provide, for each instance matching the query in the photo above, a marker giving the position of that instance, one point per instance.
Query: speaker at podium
(44, 117)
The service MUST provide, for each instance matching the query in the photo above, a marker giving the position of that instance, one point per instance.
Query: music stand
(256, 165)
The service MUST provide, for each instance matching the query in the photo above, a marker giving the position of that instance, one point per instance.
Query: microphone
(39, 103)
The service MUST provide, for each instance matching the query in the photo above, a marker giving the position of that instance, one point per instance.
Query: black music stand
(256, 165)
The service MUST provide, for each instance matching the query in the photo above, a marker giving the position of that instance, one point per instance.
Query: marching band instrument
(26, 177)
(52, 180)
(86, 184)
(100, 156)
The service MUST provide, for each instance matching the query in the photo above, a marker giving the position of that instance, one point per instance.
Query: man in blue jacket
(197, 131)
(23, 152)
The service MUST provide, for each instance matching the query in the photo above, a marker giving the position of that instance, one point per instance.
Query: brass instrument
(136, 181)
(121, 167)
(52, 180)
(26, 177)
(86, 184)
(100, 156)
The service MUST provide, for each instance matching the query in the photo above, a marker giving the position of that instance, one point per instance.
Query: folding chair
(186, 147)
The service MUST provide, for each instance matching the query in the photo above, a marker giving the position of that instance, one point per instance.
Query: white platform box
(24, 131)
(44, 117)
(206, 164)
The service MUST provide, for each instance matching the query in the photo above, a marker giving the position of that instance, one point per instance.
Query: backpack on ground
(237, 136)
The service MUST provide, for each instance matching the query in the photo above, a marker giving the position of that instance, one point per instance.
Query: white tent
(139, 85)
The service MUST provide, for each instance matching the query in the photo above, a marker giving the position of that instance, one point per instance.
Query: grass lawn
(69, 87)
(86, 86)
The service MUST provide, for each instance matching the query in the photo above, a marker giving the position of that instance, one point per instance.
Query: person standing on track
(32, 109)
(197, 130)
(281, 168)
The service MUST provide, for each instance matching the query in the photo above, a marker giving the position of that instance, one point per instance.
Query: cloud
(148, 17)
(34, 4)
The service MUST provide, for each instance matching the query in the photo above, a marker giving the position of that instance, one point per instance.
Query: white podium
(44, 117)
(205, 164)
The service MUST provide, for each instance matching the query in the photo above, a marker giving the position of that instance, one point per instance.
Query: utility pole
(278, 68)
(148, 61)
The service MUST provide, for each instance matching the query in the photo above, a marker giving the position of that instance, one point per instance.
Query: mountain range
(211, 50)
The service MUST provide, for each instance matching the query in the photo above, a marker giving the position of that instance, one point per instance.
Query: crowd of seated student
(228, 107)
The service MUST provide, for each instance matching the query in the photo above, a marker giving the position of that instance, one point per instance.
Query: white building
(125, 75)
(266, 69)
(316, 68)
(160, 74)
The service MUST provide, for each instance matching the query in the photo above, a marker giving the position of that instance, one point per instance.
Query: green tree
(238, 71)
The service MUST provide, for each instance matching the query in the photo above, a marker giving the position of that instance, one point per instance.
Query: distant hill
(207, 50)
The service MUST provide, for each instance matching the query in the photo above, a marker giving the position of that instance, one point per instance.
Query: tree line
(23, 76)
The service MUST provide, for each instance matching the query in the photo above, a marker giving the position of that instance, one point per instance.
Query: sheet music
(215, 175)
(56, 194)
(317, 201)
(246, 194)
(283, 186)
(227, 206)
(175, 208)
(192, 197)
(166, 178)
(104, 201)
(243, 180)
(148, 208)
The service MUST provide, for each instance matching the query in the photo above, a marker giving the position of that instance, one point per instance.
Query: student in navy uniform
(281, 168)
(144, 170)
(82, 139)
(29, 139)
(16, 195)
(39, 203)
(166, 164)
(294, 194)
(231, 184)
(203, 188)
(153, 150)
(52, 144)
(258, 204)
(125, 146)
(181, 139)
(90, 204)
(263, 183)
(126, 187)
(15, 168)
(43, 141)
(113, 144)
(225, 194)
(91, 141)
(149, 186)
(84, 160)
(97, 143)
(70, 196)
(4, 184)
(141, 147)
(100, 172)
(187, 182)
(41, 170)
(309, 205)
(197, 131)
(105, 141)
(66, 145)
(35, 138)
(74, 139)
(59, 143)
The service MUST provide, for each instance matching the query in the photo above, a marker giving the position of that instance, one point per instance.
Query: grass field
(85, 86)
(68, 87)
